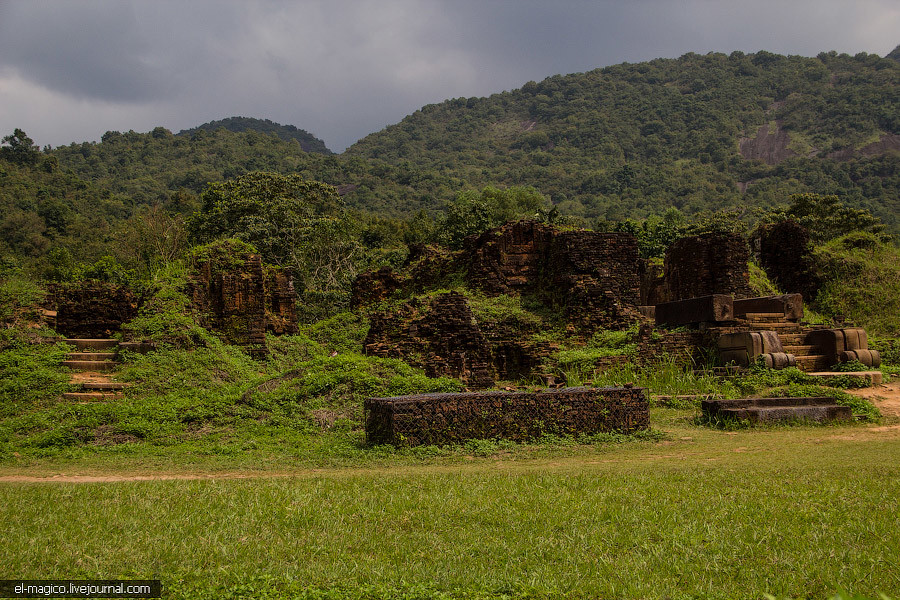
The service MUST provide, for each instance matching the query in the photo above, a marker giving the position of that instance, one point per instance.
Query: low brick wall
(519, 416)
(91, 309)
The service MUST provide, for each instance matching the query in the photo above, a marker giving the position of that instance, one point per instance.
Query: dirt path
(885, 396)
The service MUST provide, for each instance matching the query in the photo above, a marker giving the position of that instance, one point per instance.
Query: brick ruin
(236, 295)
(440, 337)
(595, 280)
(703, 265)
(591, 276)
(91, 309)
(783, 250)
(241, 299)
(519, 416)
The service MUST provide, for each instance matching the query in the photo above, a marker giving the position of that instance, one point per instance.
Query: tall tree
(292, 221)
(20, 149)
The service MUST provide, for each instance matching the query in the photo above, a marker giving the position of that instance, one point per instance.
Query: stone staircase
(776, 410)
(92, 362)
(793, 337)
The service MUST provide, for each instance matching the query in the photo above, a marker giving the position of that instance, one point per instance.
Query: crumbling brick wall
(440, 337)
(241, 299)
(91, 309)
(509, 259)
(783, 251)
(518, 416)
(703, 265)
(692, 347)
(281, 302)
(594, 276)
(374, 286)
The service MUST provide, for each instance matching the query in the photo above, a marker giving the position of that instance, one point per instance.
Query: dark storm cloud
(345, 68)
(86, 49)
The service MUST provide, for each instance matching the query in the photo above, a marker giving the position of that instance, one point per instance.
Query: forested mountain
(308, 141)
(696, 132)
(895, 53)
(151, 167)
(627, 141)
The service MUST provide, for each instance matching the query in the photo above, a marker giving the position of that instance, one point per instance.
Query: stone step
(779, 414)
(792, 339)
(800, 350)
(90, 365)
(764, 316)
(103, 385)
(872, 377)
(780, 327)
(82, 396)
(92, 344)
(91, 356)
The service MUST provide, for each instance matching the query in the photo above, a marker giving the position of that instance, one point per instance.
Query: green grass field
(794, 512)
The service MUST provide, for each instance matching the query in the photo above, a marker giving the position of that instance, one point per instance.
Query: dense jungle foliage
(308, 141)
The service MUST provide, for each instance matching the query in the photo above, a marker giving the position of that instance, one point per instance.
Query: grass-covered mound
(198, 392)
(862, 281)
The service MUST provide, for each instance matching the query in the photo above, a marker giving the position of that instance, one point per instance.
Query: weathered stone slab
(518, 416)
(772, 410)
(871, 377)
(790, 305)
(705, 309)
(777, 414)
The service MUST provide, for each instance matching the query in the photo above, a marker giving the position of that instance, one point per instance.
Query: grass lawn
(799, 512)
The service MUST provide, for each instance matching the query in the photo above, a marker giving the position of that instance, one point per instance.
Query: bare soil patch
(885, 396)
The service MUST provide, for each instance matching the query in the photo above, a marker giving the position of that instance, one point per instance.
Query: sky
(70, 70)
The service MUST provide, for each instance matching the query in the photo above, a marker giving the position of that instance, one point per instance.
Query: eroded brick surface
(241, 300)
(519, 416)
(91, 309)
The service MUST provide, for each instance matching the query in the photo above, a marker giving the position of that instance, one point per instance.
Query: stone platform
(777, 410)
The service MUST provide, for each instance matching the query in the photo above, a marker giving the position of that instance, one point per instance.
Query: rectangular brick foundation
(519, 416)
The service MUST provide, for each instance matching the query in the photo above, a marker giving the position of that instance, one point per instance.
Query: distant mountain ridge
(308, 141)
(894, 54)
(698, 133)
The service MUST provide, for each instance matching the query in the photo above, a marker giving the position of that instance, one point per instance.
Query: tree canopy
(292, 221)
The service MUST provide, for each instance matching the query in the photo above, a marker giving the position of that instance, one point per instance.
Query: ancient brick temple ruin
(597, 281)
(233, 292)
(242, 299)
(91, 309)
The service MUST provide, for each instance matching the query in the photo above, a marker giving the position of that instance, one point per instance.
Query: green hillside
(698, 132)
(308, 141)
(151, 167)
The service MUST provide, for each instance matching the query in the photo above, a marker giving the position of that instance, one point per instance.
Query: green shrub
(30, 372)
(166, 316)
(862, 282)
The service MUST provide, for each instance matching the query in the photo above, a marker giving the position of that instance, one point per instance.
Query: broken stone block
(789, 305)
(705, 309)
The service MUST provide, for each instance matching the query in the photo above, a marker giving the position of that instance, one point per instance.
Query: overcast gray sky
(341, 69)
